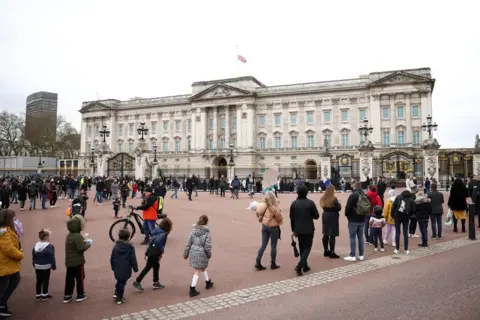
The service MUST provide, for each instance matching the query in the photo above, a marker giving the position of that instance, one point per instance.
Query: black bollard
(471, 222)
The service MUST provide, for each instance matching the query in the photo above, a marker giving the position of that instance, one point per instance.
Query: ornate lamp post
(365, 130)
(155, 161)
(142, 130)
(429, 127)
(105, 133)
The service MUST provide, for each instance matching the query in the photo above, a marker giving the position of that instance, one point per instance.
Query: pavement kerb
(227, 300)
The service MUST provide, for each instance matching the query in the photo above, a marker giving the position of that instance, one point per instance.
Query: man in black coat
(381, 188)
(302, 213)
(189, 184)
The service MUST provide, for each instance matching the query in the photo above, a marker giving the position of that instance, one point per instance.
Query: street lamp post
(105, 133)
(365, 130)
(430, 127)
(155, 161)
(142, 130)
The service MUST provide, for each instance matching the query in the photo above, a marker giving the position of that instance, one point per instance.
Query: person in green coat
(75, 247)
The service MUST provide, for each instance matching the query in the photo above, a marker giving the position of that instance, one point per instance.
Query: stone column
(83, 137)
(476, 164)
(240, 140)
(193, 133)
(430, 158)
(375, 117)
(424, 112)
(112, 126)
(227, 127)
(408, 119)
(465, 167)
(250, 126)
(215, 125)
(202, 130)
(393, 120)
(366, 161)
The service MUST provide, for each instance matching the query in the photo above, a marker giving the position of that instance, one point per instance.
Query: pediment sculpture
(221, 92)
(477, 143)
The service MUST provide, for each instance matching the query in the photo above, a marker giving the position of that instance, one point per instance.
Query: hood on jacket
(199, 230)
(40, 246)
(74, 225)
(302, 191)
(158, 231)
(420, 199)
(122, 247)
(406, 194)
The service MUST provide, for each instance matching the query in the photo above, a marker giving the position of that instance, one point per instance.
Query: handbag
(295, 250)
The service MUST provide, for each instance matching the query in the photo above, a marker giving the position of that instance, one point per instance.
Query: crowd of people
(375, 217)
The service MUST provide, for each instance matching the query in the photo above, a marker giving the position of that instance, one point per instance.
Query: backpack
(155, 247)
(76, 209)
(403, 209)
(363, 205)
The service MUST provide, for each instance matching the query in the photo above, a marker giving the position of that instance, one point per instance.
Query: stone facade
(272, 126)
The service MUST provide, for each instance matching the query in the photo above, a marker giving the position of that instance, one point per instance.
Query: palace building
(260, 127)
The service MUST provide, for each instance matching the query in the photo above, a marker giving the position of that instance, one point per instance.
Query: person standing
(457, 202)
(43, 256)
(189, 187)
(22, 195)
(302, 213)
(330, 227)
(423, 210)
(403, 207)
(357, 210)
(436, 201)
(100, 188)
(269, 214)
(381, 188)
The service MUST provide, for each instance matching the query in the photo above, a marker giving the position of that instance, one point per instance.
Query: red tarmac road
(443, 286)
(236, 239)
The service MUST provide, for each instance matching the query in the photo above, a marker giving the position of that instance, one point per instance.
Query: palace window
(97, 129)
(261, 120)
(177, 145)
(400, 112)
(131, 129)
(310, 117)
(120, 147)
(130, 147)
(261, 143)
(234, 122)
(278, 142)
(177, 125)
(416, 138)
(165, 125)
(89, 131)
(345, 140)
(210, 144)
(329, 139)
(120, 130)
(189, 144)
(88, 147)
(277, 120)
(310, 141)
(234, 142)
(222, 123)
(210, 123)
(153, 129)
(189, 125)
(363, 115)
(221, 143)
(344, 115)
(326, 116)
(294, 142)
(400, 137)
(415, 111)
(386, 138)
(293, 119)
(385, 113)
(165, 146)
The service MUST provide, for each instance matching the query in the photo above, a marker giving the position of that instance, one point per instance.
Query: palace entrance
(220, 167)
(121, 165)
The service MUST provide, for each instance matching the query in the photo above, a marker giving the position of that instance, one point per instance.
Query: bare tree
(12, 134)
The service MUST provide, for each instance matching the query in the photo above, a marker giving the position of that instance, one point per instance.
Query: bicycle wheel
(121, 224)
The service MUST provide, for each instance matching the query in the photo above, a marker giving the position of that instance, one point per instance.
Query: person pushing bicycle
(149, 208)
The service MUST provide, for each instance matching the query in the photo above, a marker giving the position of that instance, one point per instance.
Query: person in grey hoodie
(423, 210)
(436, 203)
(43, 258)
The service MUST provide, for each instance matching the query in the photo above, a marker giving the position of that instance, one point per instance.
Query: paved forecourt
(236, 238)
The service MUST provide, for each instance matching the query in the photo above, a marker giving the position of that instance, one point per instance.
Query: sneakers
(157, 285)
(385, 241)
(67, 299)
(407, 251)
(45, 297)
(382, 250)
(137, 285)
(376, 249)
(396, 251)
(394, 244)
(38, 297)
(361, 258)
(81, 298)
(4, 312)
(120, 301)
(350, 258)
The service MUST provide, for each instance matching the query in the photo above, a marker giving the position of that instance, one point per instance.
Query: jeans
(189, 192)
(148, 227)
(437, 225)
(174, 194)
(355, 230)
(99, 196)
(152, 262)
(368, 236)
(404, 225)
(8, 284)
(53, 199)
(343, 187)
(14, 196)
(269, 234)
(120, 288)
(423, 225)
(377, 237)
(33, 201)
(43, 196)
(43, 280)
(71, 193)
(195, 190)
(305, 243)
(75, 274)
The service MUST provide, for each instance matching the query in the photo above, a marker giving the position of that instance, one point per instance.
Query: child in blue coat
(43, 257)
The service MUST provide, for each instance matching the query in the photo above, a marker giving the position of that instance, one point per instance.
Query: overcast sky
(121, 49)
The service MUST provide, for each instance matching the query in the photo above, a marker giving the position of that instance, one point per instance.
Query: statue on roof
(477, 142)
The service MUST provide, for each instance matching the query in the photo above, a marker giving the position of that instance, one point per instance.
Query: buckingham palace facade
(260, 126)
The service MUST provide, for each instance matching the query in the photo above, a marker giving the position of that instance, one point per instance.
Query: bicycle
(129, 225)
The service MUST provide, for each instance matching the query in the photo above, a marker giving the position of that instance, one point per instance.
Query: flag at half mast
(241, 58)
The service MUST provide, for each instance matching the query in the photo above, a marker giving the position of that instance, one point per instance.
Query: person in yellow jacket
(10, 258)
(390, 227)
